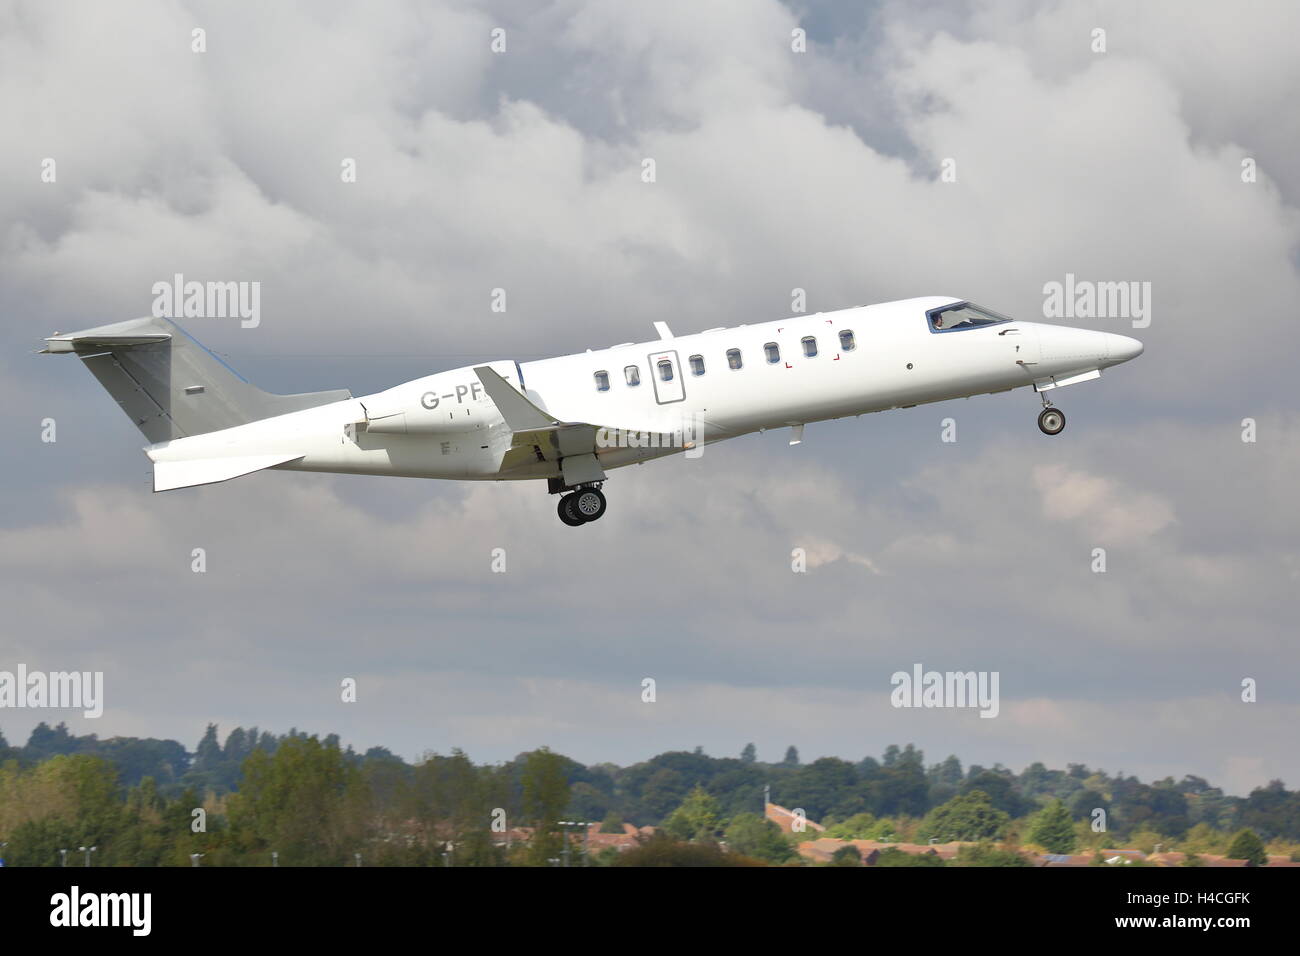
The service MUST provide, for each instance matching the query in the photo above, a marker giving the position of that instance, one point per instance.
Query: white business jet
(571, 419)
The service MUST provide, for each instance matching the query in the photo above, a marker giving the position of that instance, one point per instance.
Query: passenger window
(809, 346)
(602, 381)
(733, 358)
(632, 374)
(846, 340)
(697, 364)
(772, 352)
(665, 370)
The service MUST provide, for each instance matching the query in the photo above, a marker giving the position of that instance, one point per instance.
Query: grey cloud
(776, 170)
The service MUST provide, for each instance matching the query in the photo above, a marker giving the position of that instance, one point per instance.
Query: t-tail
(171, 386)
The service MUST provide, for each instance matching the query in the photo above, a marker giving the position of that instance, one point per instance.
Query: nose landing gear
(1051, 420)
(580, 506)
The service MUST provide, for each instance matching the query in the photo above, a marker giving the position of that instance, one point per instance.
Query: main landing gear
(1051, 420)
(580, 506)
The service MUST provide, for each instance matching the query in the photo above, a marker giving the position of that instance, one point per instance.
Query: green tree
(443, 806)
(1246, 845)
(898, 785)
(696, 819)
(45, 741)
(662, 850)
(1053, 829)
(847, 855)
(1203, 838)
(749, 754)
(546, 797)
(860, 826)
(69, 800)
(661, 790)
(1272, 810)
(864, 826)
(1085, 801)
(999, 786)
(305, 802)
(791, 756)
(949, 772)
(968, 816)
(986, 854)
(38, 842)
(752, 835)
(451, 801)
(824, 787)
(208, 755)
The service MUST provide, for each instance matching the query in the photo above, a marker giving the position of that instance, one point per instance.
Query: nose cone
(1121, 348)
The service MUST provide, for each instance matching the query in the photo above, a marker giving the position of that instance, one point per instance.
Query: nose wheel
(581, 506)
(1051, 421)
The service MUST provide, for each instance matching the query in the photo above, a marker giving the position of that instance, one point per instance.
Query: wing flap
(558, 441)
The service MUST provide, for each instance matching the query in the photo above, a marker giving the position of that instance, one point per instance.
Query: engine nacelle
(452, 401)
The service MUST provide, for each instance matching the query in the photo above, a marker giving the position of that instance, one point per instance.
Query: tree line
(257, 798)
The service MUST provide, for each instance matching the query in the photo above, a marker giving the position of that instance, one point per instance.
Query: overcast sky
(775, 169)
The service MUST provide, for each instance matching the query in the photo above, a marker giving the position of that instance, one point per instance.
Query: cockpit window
(962, 315)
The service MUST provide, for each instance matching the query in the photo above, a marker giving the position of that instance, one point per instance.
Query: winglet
(520, 414)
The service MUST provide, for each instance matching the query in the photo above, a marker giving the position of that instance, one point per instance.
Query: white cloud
(1101, 507)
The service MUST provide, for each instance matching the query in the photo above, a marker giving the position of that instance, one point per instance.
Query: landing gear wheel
(567, 513)
(1051, 421)
(588, 503)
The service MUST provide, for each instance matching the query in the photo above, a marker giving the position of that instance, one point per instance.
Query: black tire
(588, 503)
(1051, 421)
(565, 510)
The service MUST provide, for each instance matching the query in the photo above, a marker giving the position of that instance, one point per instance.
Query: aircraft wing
(556, 442)
(539, 434)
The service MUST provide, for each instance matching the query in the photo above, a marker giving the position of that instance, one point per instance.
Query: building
(787, 820)
(622, 841)
(1065, 859)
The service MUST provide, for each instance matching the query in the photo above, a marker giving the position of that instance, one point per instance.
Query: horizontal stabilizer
(205, 471)
(95, 341)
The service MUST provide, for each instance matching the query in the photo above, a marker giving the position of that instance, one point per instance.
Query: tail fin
(170, 385)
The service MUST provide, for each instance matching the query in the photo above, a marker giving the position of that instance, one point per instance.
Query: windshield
(962, 315)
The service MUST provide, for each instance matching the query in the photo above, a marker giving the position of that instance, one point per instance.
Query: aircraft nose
(1121, 348)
